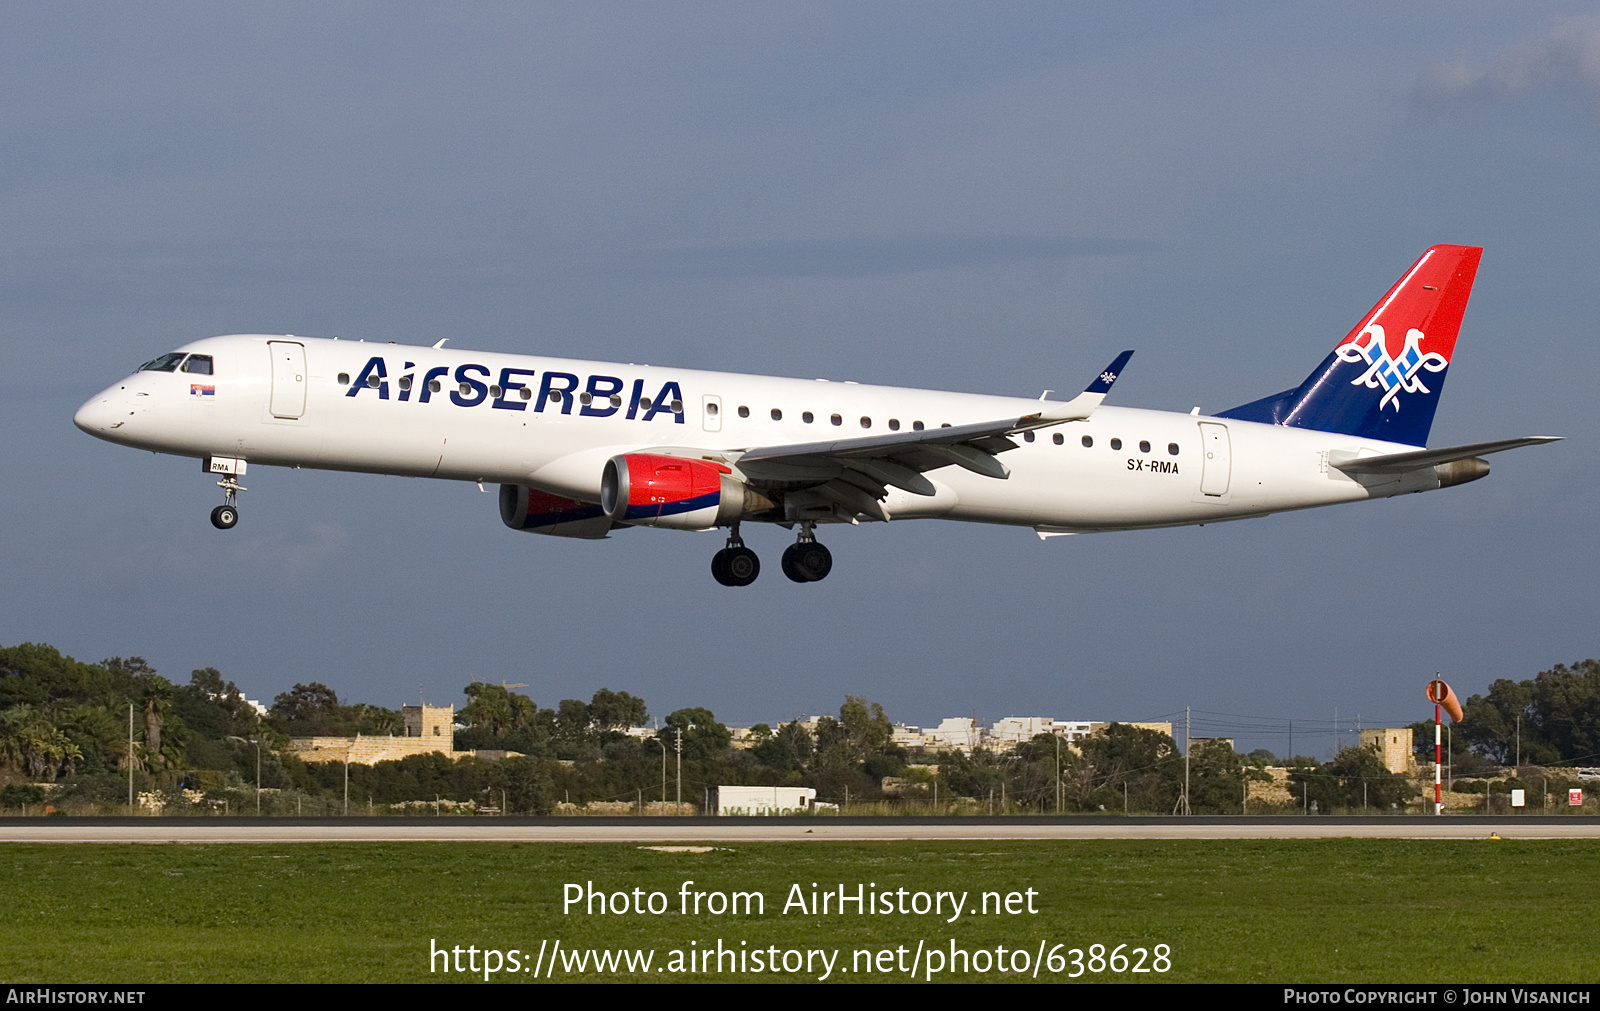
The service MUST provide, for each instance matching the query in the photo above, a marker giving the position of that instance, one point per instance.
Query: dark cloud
(1564, 61)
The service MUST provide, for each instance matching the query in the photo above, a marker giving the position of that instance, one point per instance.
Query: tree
(610, 711)
(866, 727)
(787, 750)
(157, 704)
(1144, 763)
(1556, 715)
(1217, 777)
(497, 710)
(1366, 780)
(305, 703)
(703, 736)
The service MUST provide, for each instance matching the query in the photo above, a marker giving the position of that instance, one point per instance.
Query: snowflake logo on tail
(1393, 375)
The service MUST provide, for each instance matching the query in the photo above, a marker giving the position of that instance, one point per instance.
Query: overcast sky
(980, 197)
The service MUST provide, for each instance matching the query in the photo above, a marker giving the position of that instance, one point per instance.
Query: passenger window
(1027, 436)
(866, 422)
(586, 398)
(1116, 443)
(744, 412)
(1172, 448)
(777, 415)
(166, 363)
(616, 401)
(644, 402)
(836, 419)
(808, 417)
(677, 407)
(199, 365)
(711, 406)
(1088, 442)
(405, 382)
(525, 393)
(373, 380)
(1144, 446)
(433, 386)
(344, 379)
(1058, 438)
(916, 426)
(894, 424)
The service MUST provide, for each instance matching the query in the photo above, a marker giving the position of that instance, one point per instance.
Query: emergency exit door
(288, 378)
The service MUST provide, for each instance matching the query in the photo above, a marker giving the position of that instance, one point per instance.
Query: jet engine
(647, 489)
(538, 512)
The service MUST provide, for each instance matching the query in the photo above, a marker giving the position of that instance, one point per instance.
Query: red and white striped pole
(1442, 697)
(1438, 759)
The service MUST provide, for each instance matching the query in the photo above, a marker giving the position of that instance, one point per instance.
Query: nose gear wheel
(225, 516)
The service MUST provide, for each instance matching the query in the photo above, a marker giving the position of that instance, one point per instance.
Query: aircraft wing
(857, 472)
(1394, 463)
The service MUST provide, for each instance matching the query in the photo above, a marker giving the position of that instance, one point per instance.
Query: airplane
(582, 448)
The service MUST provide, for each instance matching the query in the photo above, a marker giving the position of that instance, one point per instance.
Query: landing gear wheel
(742, 566)
(813, 560)
(791, 566)
(735, 565)
(224, 516)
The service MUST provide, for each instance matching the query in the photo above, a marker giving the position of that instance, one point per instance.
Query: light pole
(679, 801)
(663, 767)
(257, 743)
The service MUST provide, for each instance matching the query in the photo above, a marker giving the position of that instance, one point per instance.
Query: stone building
(1394, 746)
(428, 729)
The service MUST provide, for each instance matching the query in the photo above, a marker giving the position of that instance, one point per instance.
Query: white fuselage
(478, 416)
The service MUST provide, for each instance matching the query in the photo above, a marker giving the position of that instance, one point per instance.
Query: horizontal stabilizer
(1394, 463)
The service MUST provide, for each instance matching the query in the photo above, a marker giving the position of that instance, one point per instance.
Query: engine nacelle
(538, 512)
(680, 492)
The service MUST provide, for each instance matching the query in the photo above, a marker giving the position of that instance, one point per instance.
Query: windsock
(1439, 693)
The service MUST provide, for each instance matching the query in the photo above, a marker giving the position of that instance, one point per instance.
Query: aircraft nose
(94, 416)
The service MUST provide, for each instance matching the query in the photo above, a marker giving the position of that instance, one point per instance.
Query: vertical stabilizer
(1383, 380)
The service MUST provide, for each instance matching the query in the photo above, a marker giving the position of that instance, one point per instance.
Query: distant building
(1165, 728)
(1394, 746)
(762, 800)
(428, 730)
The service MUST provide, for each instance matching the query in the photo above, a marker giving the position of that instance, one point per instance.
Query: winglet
(1083, 405)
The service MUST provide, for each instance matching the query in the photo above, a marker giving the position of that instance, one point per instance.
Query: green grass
(1301, 911)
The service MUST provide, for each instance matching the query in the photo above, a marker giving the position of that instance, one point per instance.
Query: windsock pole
(1438, 736)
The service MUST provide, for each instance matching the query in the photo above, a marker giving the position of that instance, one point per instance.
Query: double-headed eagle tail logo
(1393, 375)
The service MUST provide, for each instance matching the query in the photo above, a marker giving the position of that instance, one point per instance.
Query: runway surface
(664, 831)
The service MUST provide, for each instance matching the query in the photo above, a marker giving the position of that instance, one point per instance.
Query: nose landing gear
(224, 516)
(735, 565)
(806, 561)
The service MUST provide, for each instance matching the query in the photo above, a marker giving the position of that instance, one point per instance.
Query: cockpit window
(199, 365)
(166, 363)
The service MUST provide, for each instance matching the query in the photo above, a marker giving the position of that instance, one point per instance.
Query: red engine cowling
(538, 512)
(683, 493)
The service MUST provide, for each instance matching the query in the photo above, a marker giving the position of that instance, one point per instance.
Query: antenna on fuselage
(441, 342)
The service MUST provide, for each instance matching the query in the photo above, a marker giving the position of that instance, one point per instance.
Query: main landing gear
(806, 561)
(224, 516)
(735, 565)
